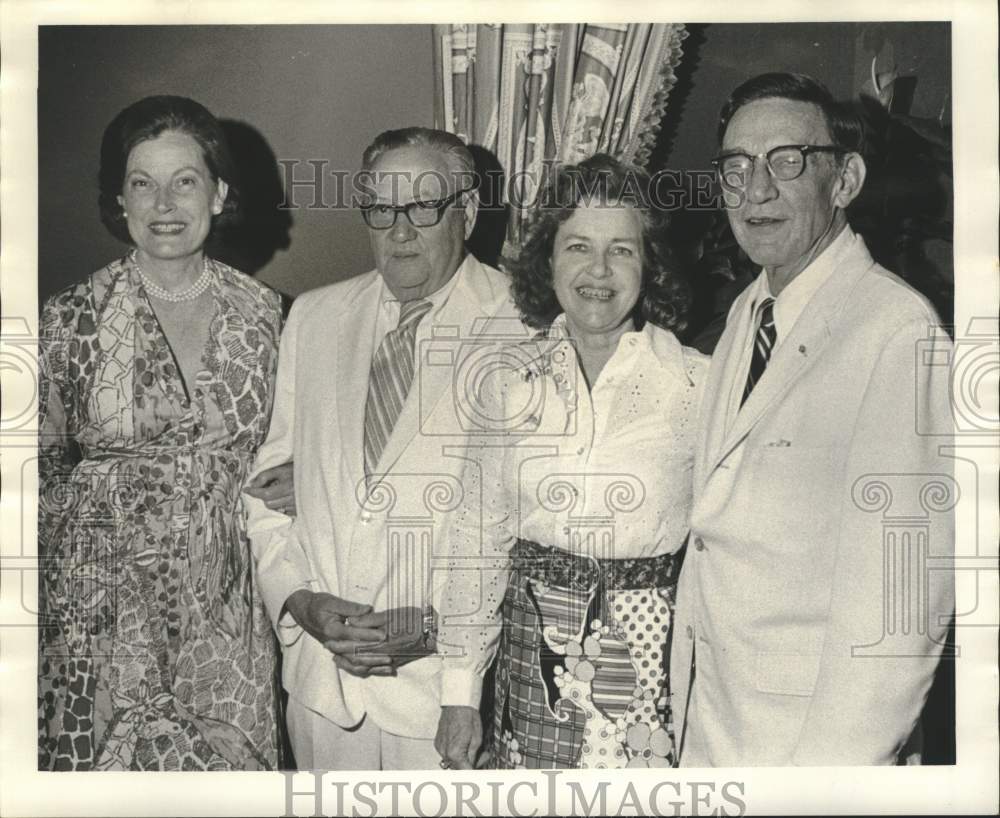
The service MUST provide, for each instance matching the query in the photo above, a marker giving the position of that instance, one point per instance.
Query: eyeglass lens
(785, 163)
(420, 214)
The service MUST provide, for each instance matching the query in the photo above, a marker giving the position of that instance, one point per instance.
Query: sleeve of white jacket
(282, 564)
(478, 546)
(867, 702)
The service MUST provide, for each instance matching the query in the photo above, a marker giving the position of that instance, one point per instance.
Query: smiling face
(784, 225)
(418, 261)
(169, 197)
(597, 268)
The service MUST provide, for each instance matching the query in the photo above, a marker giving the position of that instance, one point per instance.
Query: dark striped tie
(763, 345)
(390, 379)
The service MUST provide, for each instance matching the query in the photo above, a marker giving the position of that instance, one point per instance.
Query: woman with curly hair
(575, 511)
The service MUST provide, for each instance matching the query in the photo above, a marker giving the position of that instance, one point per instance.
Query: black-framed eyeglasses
(784, 163)
(420, 213)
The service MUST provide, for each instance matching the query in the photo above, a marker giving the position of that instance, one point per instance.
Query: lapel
(354, 353)
(724, 370)
(470, 299)
(796, 354)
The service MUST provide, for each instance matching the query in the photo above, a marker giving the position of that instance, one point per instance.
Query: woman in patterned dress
(564, 552)
(156, 378)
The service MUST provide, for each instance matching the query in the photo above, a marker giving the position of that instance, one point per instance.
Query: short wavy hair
(447, 143)
(147, 119)
(664, 297)
(845, 127)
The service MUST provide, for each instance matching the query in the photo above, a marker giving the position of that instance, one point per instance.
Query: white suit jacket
(379, 546)
(807, 597)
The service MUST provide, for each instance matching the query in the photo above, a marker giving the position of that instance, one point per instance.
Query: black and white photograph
(439, 417)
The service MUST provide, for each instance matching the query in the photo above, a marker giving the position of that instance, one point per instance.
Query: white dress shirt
(605, 473)
(389, 306)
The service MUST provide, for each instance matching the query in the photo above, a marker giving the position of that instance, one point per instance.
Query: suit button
(689, 631)
(566, 529)
(699, 544)
(366, 517)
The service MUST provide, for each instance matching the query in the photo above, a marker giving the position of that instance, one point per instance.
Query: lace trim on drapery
(652, 119)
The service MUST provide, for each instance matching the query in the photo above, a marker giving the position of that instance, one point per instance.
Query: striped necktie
(390, 379)
(763, 345)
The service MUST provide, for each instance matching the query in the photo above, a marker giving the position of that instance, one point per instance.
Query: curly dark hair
(147, 119)
(664, 297)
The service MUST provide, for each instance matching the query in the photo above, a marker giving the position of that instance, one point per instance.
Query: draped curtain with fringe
(535, 94)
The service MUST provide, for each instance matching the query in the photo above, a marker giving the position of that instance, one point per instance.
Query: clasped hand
(363, 642)
(275, 487)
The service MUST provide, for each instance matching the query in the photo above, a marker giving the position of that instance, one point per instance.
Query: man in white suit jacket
(809, 618)
(363, 545)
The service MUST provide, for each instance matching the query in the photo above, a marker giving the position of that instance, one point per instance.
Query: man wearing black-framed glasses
(420, 207)
(367, 408)
(790, 646)
(419, 213)
(784, 163)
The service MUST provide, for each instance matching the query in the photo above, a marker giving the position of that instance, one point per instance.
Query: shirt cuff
(461, 688)
(281, 569)
(286, 628)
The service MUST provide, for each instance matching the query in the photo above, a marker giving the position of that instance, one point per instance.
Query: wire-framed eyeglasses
(784, 163)
(420, 213)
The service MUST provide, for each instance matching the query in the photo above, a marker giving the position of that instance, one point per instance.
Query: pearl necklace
(189, 294)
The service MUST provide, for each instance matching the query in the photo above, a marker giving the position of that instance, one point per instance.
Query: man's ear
(471, 210)
(850, 180)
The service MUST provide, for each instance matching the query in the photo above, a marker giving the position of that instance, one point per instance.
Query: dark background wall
(718, 57)
(321, 92)
(288, 92)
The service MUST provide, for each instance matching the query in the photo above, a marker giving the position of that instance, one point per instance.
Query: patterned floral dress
(155, 652)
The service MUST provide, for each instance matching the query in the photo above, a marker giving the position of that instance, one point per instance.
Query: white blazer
(814, 508)
(380, 546)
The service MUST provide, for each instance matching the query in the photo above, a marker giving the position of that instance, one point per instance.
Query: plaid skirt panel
(582, 671)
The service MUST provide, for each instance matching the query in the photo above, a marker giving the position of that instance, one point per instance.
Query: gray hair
(459, 156)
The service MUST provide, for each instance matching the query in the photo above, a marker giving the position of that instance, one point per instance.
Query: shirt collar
(557, 329)
(651, 338)
(792, 300)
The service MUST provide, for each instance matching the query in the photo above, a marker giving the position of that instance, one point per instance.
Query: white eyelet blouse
(605, 472)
